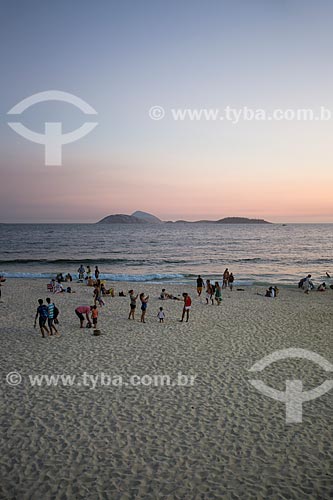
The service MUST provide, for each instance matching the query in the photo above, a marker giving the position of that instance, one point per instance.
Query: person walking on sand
(42, 313)
(50, 318)
(200, 285)
(231, 281)
(98, 295)
(81, 311)
(144, 303)
(88, 273)
(187, 307)
(97, 273)
(161, 315)
(133, 299)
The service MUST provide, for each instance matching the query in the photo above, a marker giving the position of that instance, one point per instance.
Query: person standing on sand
(187, 307)
(97, 273)
(218, 293)
(94, 315)
(161, 315)
(200, 285)
(144, 303)
(231, 281)
(50, 318)
(80, 311)
(81, 272)
(209, 292)
(133, 300)
(225, 278)
(88, 272)
(43, 315)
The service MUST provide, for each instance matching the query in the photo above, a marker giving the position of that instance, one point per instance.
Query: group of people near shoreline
(47, 314)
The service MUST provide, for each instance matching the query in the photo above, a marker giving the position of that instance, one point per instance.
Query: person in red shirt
(187, 307)
(81, 311)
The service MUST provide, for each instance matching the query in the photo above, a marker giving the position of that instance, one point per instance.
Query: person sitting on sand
(218, 293)
(322, 287)
(42, 313)
(144, 303)
(133, 299)
(81, 311)
(58, 288)
(187, 307)
(161, 315)
(271, 292)
(164, 295)
(105, 291)
(307, 284)
(60, 278)
(68, 277)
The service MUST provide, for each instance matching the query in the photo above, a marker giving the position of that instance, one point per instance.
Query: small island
(140, 217)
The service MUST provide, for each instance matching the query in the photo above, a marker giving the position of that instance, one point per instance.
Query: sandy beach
(216, 438)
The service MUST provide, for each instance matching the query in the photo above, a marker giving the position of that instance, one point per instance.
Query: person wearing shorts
(144, 303)
(42, 314)
(50, 318)
(94, 316)
(209, 292)
(187, 307)
(81, 311)
(133, 300)
(200, 285)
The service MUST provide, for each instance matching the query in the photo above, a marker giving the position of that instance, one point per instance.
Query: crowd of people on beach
(47, 314)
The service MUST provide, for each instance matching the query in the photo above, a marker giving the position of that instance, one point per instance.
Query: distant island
(140, 217)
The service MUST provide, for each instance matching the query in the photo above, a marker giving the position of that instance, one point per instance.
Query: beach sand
(216, 438)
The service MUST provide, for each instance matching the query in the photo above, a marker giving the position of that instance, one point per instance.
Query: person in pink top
(81, 311)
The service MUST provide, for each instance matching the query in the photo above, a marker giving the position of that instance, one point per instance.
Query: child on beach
(161, 315)
(144, 302)
(94, 315)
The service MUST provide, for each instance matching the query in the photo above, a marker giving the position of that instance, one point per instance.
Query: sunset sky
(125, 57)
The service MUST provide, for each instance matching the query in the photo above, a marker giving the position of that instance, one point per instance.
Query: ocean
(169, 253)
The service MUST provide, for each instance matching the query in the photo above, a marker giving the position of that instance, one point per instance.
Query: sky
(123, 58)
